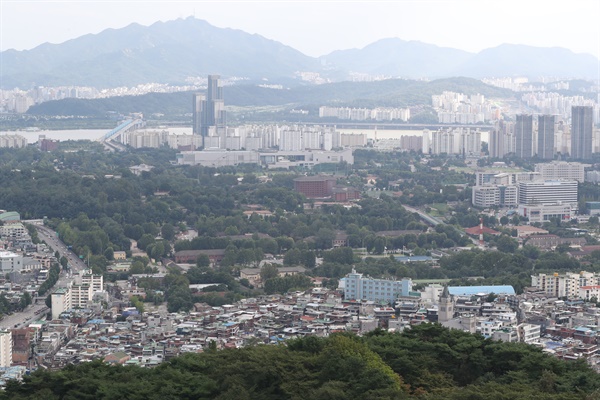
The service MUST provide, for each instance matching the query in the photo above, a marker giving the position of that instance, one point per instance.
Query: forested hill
(426, 362)
(390, 93)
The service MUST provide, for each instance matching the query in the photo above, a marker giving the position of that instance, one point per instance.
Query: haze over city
(318, 28)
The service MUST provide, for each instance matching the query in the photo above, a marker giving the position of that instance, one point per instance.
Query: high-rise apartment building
(524, 136)
(502, 139)
(454, 141)
(496, 145)
(5, 349)
(545, 138)
(582, 127)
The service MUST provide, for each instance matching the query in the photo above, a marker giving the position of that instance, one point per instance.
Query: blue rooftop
(473, 290)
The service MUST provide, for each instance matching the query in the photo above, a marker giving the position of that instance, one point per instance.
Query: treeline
(473, 267)
(9, 306)
(53, 275)
(426, 362)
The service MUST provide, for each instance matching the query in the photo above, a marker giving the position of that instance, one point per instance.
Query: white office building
(561, 170)
(546, 212)
(10, 262)
(357, 287)
(485, 196)
(495, 195)
(548, 192)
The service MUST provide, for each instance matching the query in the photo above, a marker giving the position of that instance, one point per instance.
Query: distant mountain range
(168, 52)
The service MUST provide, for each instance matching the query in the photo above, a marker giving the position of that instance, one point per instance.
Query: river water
(61, 135)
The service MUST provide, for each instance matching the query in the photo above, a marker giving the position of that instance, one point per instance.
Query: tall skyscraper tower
(545, 144)
(582, 127)
(524, 136)
(209, 111)
(199, 101)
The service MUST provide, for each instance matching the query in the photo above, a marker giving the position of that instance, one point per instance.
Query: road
(427, 218)
(34, 311)
(20, 319)
(434, 221)
(50, 237)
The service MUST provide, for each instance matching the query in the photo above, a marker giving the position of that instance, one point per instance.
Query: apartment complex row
(460, 108)
(582, 285)
(460, 141)
(12, 141)
(544, 136)
(79, 294)
(364, 114)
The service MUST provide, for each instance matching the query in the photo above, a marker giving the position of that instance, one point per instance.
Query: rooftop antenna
(481, 242)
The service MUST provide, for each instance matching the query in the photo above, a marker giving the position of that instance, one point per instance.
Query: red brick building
(21, 349)
(318, 186)
(342, 193)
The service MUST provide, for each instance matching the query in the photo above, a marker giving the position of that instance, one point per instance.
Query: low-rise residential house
(119, 357)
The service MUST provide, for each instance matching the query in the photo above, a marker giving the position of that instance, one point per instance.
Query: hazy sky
(319, 27)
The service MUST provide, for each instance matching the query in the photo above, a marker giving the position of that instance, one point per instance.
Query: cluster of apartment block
(12, 141)
(452, 141)
(460, 108)
(544, 136)
(571, 285)
(364, 114)
(556, 104)
(85, 289)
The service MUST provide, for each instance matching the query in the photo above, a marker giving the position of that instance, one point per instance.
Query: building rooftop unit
(480, 290)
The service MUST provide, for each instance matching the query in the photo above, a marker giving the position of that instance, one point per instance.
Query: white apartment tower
(5, 348)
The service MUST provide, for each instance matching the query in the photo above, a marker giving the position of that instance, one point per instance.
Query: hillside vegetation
(388, 93)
